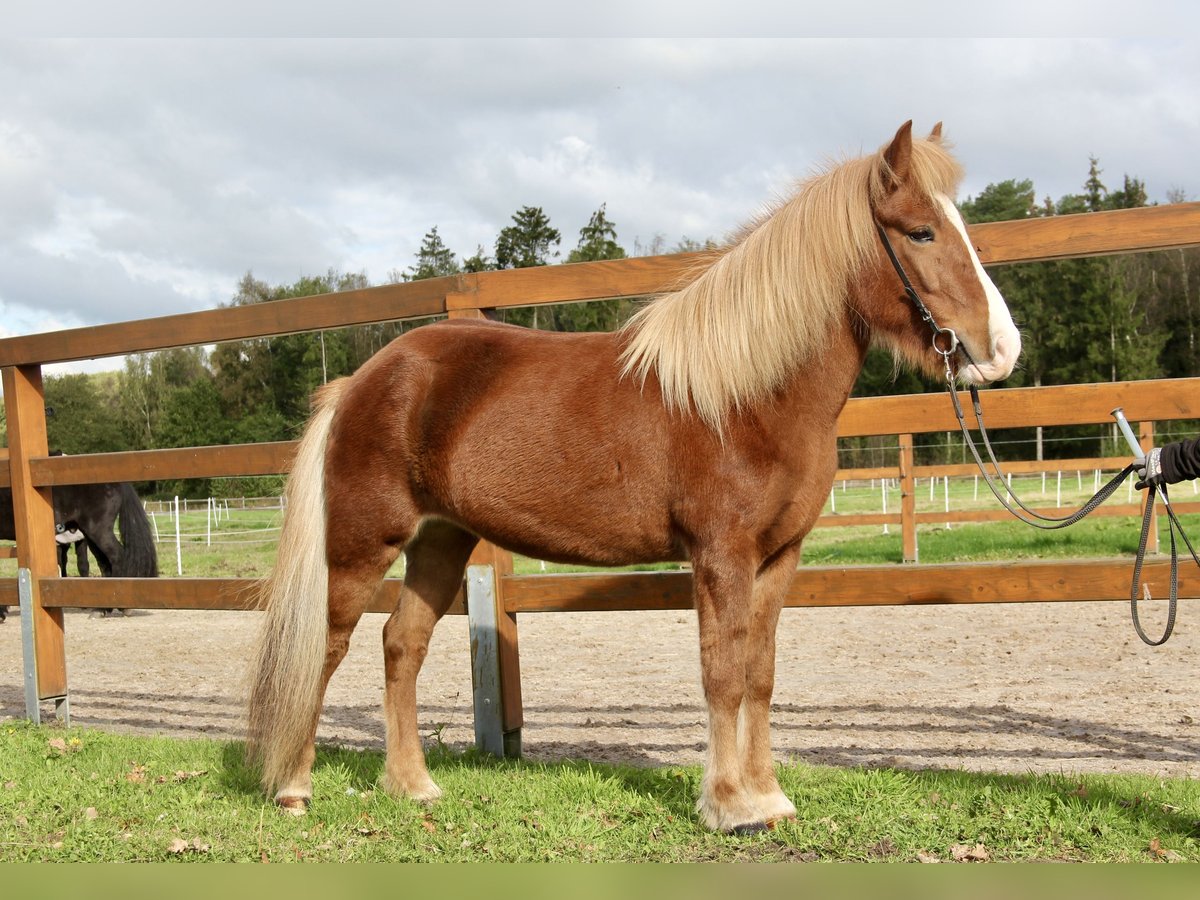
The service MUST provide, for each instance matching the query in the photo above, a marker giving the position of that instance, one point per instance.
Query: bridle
(946, 343)
(922, 310)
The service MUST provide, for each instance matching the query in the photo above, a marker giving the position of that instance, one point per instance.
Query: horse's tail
(285, 694)
(140, 559)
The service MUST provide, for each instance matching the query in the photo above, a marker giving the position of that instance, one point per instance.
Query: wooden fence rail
(31, 473)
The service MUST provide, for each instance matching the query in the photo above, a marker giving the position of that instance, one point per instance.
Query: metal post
(33, 707)
(28, 654)
(485, 659)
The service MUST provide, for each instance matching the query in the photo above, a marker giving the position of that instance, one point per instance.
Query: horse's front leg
(722, 593)
(758, 765)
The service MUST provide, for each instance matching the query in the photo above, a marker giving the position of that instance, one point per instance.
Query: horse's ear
(936, 134)
(898, 155)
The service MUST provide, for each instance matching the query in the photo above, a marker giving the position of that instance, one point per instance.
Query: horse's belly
(585, 527)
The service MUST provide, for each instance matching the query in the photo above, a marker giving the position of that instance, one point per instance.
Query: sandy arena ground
(1006, 688)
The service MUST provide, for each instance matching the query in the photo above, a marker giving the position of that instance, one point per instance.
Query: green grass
(89, 796)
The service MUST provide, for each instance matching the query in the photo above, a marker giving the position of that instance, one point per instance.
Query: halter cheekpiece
(939, 334)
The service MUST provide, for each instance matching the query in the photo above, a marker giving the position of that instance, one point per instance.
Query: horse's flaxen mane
(771, 299)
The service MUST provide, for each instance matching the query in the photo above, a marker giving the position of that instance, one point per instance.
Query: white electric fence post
(178, 540)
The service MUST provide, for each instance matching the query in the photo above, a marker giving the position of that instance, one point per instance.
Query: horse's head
(918, 219)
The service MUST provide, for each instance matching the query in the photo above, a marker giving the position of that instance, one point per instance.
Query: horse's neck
(820, 386)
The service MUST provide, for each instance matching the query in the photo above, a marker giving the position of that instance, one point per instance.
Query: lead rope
(1030, 516)
(1173, 524)
(1050, 522)
(1025, 514)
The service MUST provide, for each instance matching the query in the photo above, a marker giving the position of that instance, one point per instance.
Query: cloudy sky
(145, 177)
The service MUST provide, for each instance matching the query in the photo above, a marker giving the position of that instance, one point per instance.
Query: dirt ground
(1009, 688)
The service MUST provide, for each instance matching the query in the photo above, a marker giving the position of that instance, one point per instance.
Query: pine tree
(480, 262)
(597, 240)
(1094, 191)
(1131, 196)
(434, 259)
(528, 241)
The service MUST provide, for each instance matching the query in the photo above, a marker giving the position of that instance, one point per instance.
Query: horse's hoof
(749, 828)
(295, 806)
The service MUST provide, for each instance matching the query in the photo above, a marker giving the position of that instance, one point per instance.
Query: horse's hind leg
(758, 772)
(105, 547)
(353, 583)
(436, 558)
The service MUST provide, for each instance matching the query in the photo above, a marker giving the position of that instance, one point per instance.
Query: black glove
(1149, 469)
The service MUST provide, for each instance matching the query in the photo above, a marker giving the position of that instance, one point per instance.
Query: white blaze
(994, 362)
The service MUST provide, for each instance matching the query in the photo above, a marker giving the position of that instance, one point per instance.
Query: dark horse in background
(96, 510)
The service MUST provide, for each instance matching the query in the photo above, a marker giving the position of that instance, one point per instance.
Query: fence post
(908, 499)
(461, 313)
(495, 657)
(33, 512)
(1146, 439)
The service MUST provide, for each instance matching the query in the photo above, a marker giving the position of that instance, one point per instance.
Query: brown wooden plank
(1006, 582)
(995, 514)
(867, 474)
(894, 585)
(25, 407)
(182, 593)
(633, 277)
(998, 514)
(8, 552)
(150, 593)
(1078, 404)
(385, 303)
(842, 520)
(597, 591)
(268, 458)
(9, 594)
(1088, 234)
(273, 458)
(1146, 441)
(1029, 466)
(1056, 237)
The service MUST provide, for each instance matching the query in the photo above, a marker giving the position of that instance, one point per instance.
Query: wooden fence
(494, 596)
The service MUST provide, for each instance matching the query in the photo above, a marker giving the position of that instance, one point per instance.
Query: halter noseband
(922, 310)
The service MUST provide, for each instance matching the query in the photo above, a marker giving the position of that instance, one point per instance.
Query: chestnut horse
(704, 430)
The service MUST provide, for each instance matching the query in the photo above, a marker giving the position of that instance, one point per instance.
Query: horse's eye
(923, 235)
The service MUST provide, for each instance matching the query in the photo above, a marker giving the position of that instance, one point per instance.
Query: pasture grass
(88, 796)
(79, 795)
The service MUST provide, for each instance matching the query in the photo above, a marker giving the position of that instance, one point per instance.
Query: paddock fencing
(494, 596)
